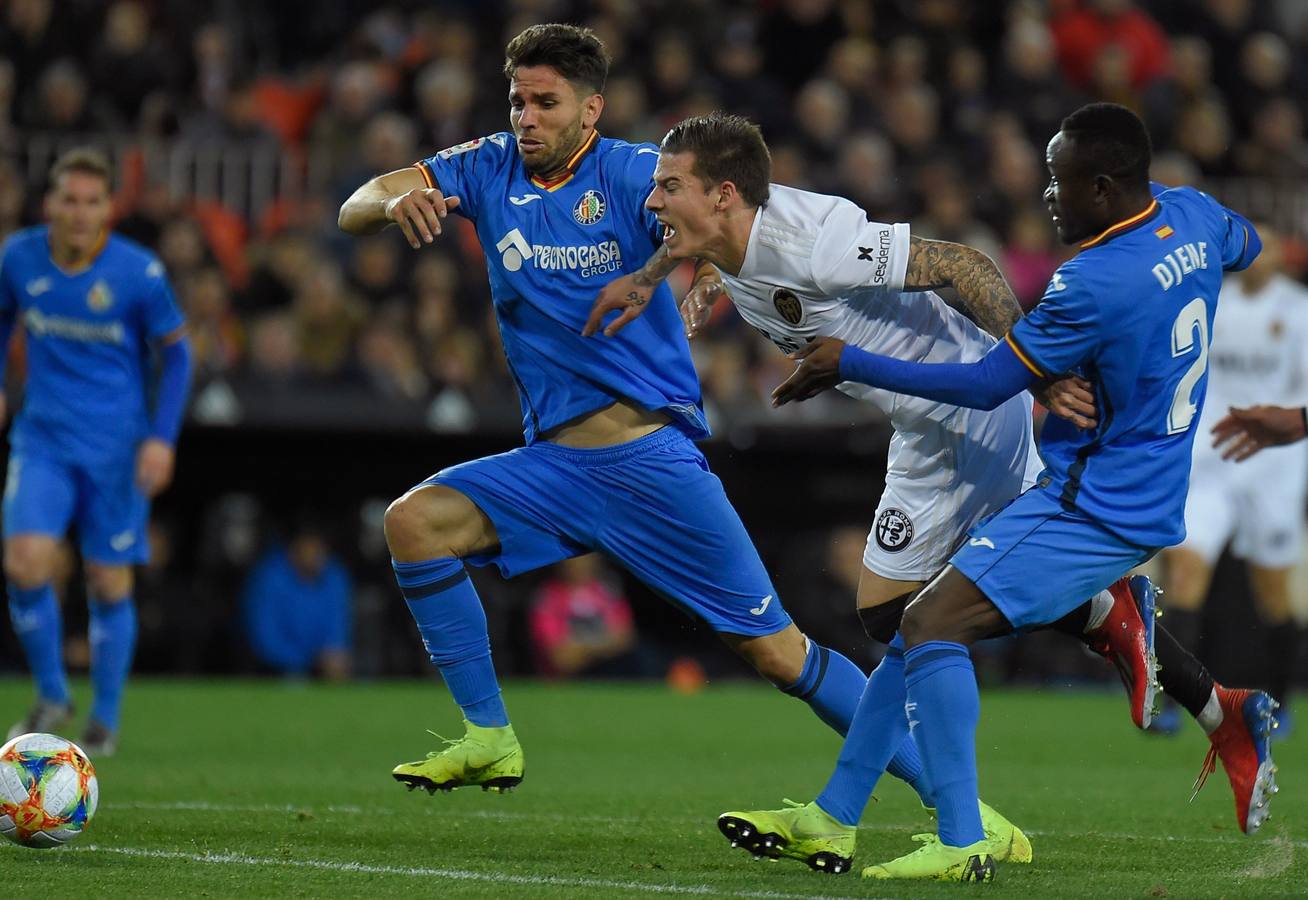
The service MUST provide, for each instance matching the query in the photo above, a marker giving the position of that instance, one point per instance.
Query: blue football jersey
(1133, 313)
(88, 345)
(550, 247)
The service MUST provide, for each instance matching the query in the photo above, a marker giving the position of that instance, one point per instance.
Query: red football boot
(1126, 639)
(1244, 743)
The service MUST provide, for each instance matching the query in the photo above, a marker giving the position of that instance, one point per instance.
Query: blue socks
(453, 627)
(943, 709)
(879, 730)
(37, 622)
(113, 639)
(831, 685)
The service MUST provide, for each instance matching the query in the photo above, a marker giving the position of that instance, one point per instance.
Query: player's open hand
(818, 371)
(154, 466)
(1243, 432)
(1069, 398)
(419, 213)
(626, 294)
(698, 304)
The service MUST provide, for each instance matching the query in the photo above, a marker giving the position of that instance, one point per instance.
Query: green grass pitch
(255, 789)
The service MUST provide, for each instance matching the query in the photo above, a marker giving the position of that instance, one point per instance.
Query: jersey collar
(100, 244)
(1123, 226)
(570, 167)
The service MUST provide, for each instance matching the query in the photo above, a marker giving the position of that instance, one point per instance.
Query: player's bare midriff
(615, 424)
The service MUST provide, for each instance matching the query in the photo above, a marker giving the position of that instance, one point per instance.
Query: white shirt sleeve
(852, 253)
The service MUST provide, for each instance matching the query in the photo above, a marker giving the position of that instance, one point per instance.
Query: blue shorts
(44, 496)
(1038, 561)
(652, 505)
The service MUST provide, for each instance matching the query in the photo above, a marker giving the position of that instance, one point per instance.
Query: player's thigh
(668, 521)
(112, 515)
(39, 501)
(533, 506)
(1270, 530)
(951, 608)
(432, 521)
(1189, 574)
(877, 590)
(1037, 561)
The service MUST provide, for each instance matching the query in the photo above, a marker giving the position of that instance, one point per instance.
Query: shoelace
(1208, 768)
(445, 740)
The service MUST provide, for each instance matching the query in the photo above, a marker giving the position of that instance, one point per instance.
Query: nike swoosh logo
(762, 607)
(524, 199)
(981, 542)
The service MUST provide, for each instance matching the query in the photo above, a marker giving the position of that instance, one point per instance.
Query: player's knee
(413, 532)
(108, 584)
(919, 625)
(27, 568)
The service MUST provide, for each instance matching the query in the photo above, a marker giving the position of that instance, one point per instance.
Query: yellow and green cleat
(489, 757)
(802, 831)
(1006, 841)
(940, 862)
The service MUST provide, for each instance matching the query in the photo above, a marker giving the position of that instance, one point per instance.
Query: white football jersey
(1259, 348)
(816, 267)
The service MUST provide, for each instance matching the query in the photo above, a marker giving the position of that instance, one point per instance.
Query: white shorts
(944, 476)
(1257, 505)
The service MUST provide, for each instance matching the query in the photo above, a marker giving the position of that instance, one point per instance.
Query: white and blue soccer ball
(48, 791)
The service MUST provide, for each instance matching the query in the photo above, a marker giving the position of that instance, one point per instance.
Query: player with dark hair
(610, 462)
(85, 447)
(1132, 312)
(802, 265)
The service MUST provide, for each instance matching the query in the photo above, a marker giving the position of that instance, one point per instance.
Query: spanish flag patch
(1164, 232)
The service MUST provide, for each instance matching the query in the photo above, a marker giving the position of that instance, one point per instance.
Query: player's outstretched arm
(1243, 432)
(980, 285)
(630, 293)
(825, 362)
(400, 197)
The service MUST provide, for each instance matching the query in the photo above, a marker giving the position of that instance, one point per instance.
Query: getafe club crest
(99, 298)
(788, 306)
(590, 208)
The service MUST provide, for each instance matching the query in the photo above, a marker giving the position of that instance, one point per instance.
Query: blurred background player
(297, 606)
(86, 448)
(1259, 353)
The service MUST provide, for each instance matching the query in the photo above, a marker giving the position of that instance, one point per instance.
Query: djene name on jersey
(1180, 262)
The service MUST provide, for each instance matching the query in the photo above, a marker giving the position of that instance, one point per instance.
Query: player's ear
(726, 193)
(1105, 187)
(591, 107)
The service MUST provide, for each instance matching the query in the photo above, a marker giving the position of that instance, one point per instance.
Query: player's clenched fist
(818, 371)
(419, 213)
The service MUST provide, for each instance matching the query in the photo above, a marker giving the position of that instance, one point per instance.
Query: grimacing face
(78, 208)
(683, 204)
(548, 117)
(1070, 194)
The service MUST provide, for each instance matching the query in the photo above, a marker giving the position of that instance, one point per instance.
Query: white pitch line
(241, 859)
(510, 815)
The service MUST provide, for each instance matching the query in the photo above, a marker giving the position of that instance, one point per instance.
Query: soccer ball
(48, 791)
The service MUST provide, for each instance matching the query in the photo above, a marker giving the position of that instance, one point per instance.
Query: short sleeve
(1063, 329)
(851, 253)
(161, 313)
(462, 170)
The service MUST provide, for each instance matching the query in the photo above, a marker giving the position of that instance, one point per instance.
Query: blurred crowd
(929, 111)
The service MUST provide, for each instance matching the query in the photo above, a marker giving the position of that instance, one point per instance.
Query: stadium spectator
(296, 607)
(583, 627)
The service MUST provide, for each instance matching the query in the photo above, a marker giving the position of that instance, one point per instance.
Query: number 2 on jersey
(1194, 315)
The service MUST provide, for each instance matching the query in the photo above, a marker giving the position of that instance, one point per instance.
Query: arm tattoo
(656, 268)
(980, 285)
